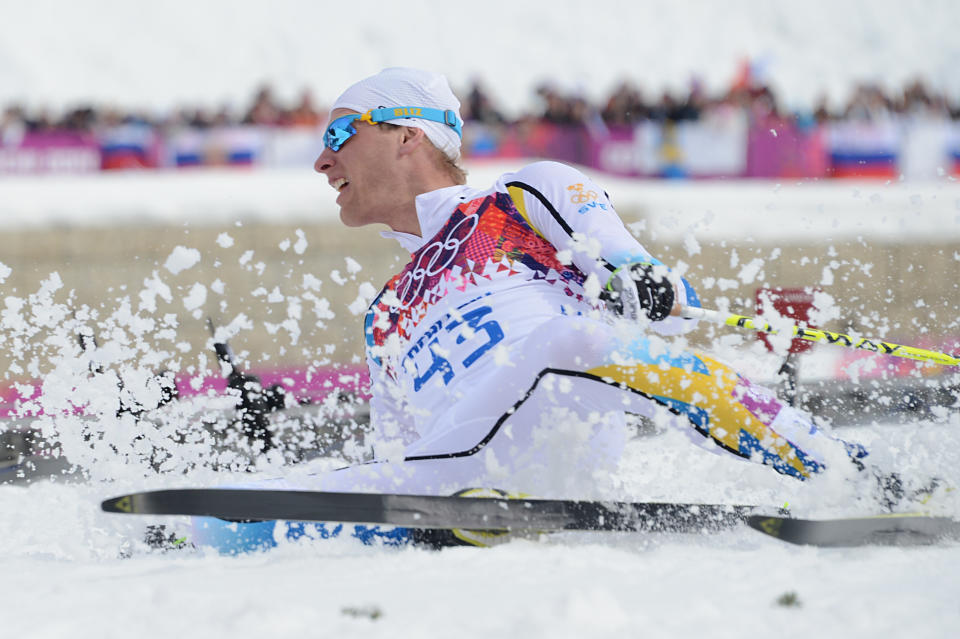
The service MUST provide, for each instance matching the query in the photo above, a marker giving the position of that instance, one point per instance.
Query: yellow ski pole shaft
(820, 335)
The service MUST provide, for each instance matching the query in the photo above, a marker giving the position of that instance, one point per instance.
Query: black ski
(908, 529)
(445, 513)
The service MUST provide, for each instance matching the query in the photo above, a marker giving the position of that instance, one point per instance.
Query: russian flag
(130, 146)
(863, 149)
(869, 165)
(186, 148)
(236, 146)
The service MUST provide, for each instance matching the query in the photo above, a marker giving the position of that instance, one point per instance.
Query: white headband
(401, 86)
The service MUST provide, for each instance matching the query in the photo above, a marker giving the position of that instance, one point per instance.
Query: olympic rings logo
(434, 259)
(580, 196)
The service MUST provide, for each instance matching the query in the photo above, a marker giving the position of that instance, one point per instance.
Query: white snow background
(62, 574)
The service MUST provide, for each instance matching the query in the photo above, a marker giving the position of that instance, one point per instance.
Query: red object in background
(125, 159)
(793, 303)
(886, 170)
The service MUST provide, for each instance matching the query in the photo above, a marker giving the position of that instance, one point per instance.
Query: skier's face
(362, 171)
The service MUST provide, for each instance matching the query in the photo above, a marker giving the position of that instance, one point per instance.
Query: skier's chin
(351, 218)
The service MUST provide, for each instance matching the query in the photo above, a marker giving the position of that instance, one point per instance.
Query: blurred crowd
(264, 110)
(628, 105)
(625, 106)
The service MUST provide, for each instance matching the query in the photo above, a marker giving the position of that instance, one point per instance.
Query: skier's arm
(574, 214)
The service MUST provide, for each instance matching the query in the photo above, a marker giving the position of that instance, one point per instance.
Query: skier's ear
(411, 138)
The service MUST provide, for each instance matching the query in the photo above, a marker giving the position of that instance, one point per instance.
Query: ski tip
(122, 504)
(770, 525)
(887, 529)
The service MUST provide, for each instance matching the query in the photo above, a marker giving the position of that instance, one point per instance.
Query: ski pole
(820, 335)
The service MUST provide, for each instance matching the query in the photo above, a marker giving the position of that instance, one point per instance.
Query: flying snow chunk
(301, 244)
(181, 259)
(827, 278)
(592, 287)
(691, 244)
(501, 356)
(224, 240)
(748, 274)
(5, 272)
(196, 297)
(154, 287)
(365, 294)
(353, 266)
(311, 282)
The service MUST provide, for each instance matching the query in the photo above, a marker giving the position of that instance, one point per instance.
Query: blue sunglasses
(342, 129)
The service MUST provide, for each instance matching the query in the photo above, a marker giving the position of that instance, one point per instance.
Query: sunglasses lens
(339, 131)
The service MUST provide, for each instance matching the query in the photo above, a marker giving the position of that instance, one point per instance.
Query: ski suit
(493, 363)
(493, 329)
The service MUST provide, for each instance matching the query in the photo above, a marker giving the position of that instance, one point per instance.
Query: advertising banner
(721, 144)
(55, 152)
(628, 151)
(220, 146)
(711, 147)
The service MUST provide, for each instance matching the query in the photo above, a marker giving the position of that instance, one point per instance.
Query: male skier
(527, 322)
(499, 324)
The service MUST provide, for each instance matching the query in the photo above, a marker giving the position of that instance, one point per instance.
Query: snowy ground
(64, 577)
(724, 587)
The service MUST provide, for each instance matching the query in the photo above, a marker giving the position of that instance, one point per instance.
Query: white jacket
(491, 267)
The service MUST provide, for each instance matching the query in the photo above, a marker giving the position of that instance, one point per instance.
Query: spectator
(264, 110)
(41, 122)
(821, 112)
(478, 107)
(625, 106)
(869, 104)
(12, 126)
(304, 114)
(556, 109)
